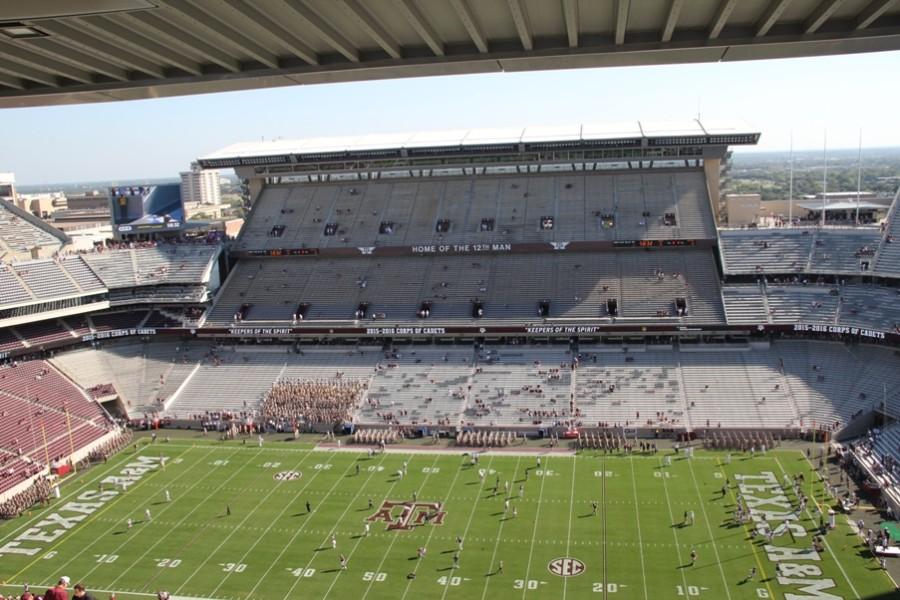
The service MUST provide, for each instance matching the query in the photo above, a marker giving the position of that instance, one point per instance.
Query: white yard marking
(824, 537)
(712, 537)
(534, 530)
(172, 529)
(83, 550)
(394, 538)
(112, 466)
(333, 530)
(674, 529)
(464, 535)
(301, 529)
(261, 537)
(497, 542)
(569, 530)
(637, 519)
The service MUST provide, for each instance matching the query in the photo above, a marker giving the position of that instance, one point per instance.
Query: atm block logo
(406, 515)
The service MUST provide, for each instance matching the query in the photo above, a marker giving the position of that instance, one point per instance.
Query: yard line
(534, 530)
(40, 515)
(712, 538)
(759, 563)
(91, 518)
(569, 530)
(334, 528)
(465, 531)
(233, 530)
(499, 531)
(393, 538)
(166, 534)
(283, 510)
(824, 538)
(637, 518)
(297, 532)
(673, 528)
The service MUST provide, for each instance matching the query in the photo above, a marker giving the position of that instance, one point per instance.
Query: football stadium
(528, 362)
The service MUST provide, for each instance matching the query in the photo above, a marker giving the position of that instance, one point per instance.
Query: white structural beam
(372, 27)
(30, 73)
(523, 24)
(672, 19)
(211, 24)
(325, 31)
(106, 50)
(39, 61)
(819, 16)
(622, 7)
(179, 36)
(80, 60)
(140, 44)
(281, 35)
(721, 17)
(871, 12)
(464, 12)
(12, 82)
(570, 16)
(771, 16)
(415, 18)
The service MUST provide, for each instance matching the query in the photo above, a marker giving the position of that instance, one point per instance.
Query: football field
(237, 526)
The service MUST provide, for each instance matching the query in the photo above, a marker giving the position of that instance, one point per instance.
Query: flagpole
(791, 186)
(858, 176)
(71, 442)
(824, 176)
(46, 447)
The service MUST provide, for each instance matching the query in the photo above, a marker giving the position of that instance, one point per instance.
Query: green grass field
(271, 547)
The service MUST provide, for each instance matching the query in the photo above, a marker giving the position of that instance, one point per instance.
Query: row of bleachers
(38, 382)
(840, 251)
(585, 206)
(45, 278)
(12, 288)
(19, 236)
(645, 286)
(792, 383)
(164, 264)
(852, 305)
(888, 257)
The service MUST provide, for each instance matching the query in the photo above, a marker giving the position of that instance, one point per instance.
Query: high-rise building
(202, 186)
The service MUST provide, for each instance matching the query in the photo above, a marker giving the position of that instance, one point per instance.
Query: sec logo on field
(566, 567)
(286, 476)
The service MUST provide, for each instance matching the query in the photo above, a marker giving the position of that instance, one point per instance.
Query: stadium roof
(68, 51)
(636, 132)
(841, 206)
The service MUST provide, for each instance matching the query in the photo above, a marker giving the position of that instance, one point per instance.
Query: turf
(270, 546)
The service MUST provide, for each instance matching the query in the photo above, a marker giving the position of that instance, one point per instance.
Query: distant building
(8, 186)
(201, 186)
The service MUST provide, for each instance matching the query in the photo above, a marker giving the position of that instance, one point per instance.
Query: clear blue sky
(157, 138)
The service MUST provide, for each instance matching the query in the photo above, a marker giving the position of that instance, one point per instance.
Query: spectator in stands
(79, 592)
(58, 592)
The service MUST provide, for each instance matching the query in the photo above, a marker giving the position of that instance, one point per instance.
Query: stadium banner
(479, 248)
(115, 333)
(840, 330)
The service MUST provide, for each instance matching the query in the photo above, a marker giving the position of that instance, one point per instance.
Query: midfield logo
(406, 515)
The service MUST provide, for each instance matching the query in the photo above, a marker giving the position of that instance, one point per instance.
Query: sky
(158, 138)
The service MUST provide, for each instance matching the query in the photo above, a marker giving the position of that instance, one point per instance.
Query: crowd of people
(60, 591)
(741, 441)
(39, 491)
(376, 436)
(313, 401)
(482, 439)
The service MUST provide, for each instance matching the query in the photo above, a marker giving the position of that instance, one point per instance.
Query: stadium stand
(839, 251)
(163, 264)
(44, 418)
(887, 260)
(854, 305)
(645, 284)
(21, 234)
(789, 384)
(583, 207)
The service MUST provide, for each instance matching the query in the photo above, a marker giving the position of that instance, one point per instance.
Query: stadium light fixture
(18, 31)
